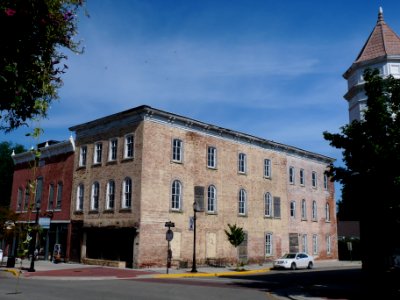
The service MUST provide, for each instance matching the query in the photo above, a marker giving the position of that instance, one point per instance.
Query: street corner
(210, 274)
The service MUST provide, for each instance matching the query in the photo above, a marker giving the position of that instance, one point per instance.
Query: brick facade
(54, 169)
(137, 233)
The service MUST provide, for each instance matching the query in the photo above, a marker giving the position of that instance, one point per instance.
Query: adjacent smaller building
(41, 192)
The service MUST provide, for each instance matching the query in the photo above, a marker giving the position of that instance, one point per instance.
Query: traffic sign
(169, 235)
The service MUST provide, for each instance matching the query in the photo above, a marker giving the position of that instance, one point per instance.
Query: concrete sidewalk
(76, 271)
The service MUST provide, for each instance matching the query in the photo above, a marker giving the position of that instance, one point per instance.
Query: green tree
(33, 32)
(235, 236)
(371, 175)
(7, 170)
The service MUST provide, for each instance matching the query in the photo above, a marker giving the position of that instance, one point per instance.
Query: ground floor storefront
(108, 244)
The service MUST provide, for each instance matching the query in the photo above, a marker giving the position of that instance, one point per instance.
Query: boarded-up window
(211, 244)
(242, 249)
(293, 242)
(277, 207)
(176, 245)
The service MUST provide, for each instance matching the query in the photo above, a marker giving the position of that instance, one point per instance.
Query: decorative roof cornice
(45, 152)
(145, 112)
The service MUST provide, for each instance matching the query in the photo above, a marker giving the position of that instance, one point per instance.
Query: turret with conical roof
(381, 51)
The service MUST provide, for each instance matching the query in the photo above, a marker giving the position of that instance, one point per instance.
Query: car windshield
(289, 255)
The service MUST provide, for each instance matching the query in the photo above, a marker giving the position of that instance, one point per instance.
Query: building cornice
(45, 152)
(145, 112)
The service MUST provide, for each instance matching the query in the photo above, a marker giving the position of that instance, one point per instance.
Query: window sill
(179, 162)
(127, 159)
(108, 211)
(111, 162)
(267, 177)
(93, 212)
(96, 165)
(304, 220)
(81, 168)
(211, 213)
(212, 168)
(125, 210)
(242, 215)
(268, 217)
(242, 173)
(78, 212)
(179, 211)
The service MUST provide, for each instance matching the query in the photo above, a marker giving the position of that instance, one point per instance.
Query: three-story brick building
(137, 169)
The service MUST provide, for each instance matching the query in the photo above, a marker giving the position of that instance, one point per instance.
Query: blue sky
(272, 69)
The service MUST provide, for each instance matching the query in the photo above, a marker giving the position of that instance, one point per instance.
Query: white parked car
(294, 261)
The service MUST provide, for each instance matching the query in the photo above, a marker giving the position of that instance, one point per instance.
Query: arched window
(38, 192)
(50, 204)
(27, 196)
(242, 201)
(267, 205)
(303, 209)
(327, 213)
(94, 203)
(59, 195)
(304, 243)
(110, 197)
(293, 209)
(79, 197)
(19, 199)
(314, 211)
(212, 199)
(176, 193)
(127, 193)
(268, 244)
(328, 245)
(315, 244)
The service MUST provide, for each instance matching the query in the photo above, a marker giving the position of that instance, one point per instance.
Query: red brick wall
(56, 169)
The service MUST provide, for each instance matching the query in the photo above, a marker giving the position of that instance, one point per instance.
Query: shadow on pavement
(329, 284)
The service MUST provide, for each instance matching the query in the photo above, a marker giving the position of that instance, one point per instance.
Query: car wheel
(293, 266)
(310, 265)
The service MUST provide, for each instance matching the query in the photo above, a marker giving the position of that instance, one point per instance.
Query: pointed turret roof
(383, 41)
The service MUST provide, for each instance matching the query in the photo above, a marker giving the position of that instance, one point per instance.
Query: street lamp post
(194, 270)
(33, 241)
(10, 225)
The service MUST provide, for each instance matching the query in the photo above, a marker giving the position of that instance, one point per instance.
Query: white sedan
(294, 261)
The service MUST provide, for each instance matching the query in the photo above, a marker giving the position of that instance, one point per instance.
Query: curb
(16, 273)
(220, 274)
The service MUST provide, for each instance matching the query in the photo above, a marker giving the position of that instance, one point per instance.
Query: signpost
(169, 236)
(198, 206)
(44, 222)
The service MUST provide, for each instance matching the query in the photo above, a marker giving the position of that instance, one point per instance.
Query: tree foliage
(371, 154)
(235, 235)
(31, 62)
(7, 170)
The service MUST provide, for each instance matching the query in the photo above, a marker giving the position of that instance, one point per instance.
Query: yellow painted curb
(13, 271)
(193, 275)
